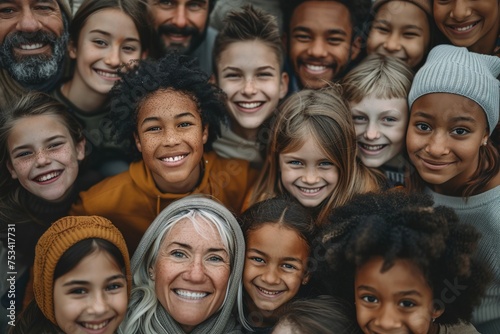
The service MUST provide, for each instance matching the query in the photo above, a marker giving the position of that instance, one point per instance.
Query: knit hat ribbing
(425, 5)
(455, 70)
(60, 236)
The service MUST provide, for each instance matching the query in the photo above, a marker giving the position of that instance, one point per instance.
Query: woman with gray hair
(187, 271)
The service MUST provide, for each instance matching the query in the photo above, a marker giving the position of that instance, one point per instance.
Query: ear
(144, 54)
(137, 142)
(306, 278)
(484, 141)
(204, 137)
(212, 79)
(80, 149)
(72, 49)
(284, 84)
(151, 274)
(355, 47)
(12, 172)
(436, 313)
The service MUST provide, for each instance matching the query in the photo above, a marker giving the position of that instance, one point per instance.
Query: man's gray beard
(38, 69)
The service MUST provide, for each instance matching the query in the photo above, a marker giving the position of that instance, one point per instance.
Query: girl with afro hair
(409, 267)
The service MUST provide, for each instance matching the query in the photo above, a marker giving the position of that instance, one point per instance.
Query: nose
(387, 318)
(112, 58)
(372, 132)
(460, 10)
(172, 138)
(392, 43)
(42, 158)
(250, 87)
(310, 176)
(180, 18)
(270, 276)
(28, 22)
(98, 304)
(196, 271)
(317, 49)
(437, 145)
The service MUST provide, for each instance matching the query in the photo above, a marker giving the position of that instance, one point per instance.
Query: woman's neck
(83, 98)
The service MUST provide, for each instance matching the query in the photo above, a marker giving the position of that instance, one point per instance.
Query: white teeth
(309, 190)
(267, 292)
(316, 68)
(31, 46)
(250, 105)
(107, 74)
(466, 28)
(372, 147)
(48, 176)
(174, 159)
(95, 326)
(191, 295)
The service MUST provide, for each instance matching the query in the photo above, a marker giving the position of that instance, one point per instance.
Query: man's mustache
(18, 38)
(166, 29)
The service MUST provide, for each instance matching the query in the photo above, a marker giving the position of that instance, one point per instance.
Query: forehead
(321, 16)
(27, 2)
(402, 11)
(168, 101)
(197, 233)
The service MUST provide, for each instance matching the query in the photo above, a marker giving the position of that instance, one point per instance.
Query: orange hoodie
(132, 201)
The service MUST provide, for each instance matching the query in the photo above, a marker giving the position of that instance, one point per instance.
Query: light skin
(400, 29)
(444, 135)
(102, 48)
(275, 268)
(30, 16)
(191, 273)
(398, 300)
(308, 174)
(170, 135)
(43, 156)
(92, 297)
(380, 126)
(471, 24)
(249, 73)
(188, 16)
(321, 43)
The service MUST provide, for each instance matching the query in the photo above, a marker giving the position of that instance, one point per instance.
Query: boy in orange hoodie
(170, 114)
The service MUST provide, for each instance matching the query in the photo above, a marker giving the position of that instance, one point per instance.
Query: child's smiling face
(398, 300)
(170, 135)
(249, 73)
(471, 24)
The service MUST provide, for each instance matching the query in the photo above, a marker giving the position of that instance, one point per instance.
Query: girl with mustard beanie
(82, 279)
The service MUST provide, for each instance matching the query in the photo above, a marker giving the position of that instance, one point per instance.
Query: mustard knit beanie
(425, 5)
(60, 236)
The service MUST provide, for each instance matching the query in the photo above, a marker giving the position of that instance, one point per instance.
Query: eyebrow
(23, 147)
(210, 250)
(102, 32)
(330, 31)
(400, 293)
(453, 119)
(109, 279)
(156, 118)
(408, 26)
(233, 68)
(287, 258)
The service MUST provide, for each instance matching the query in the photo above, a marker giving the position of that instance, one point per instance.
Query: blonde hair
(386, 77)
(324, 115)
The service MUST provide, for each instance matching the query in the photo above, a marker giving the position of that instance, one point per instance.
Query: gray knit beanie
(455, 70)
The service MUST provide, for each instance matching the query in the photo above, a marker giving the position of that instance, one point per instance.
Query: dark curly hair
(173, 71)
(396, 225)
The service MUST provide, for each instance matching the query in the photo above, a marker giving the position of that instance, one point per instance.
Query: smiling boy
(170, 114)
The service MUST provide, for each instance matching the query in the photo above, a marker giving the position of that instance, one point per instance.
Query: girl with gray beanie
(187, 271)
(455, 102)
